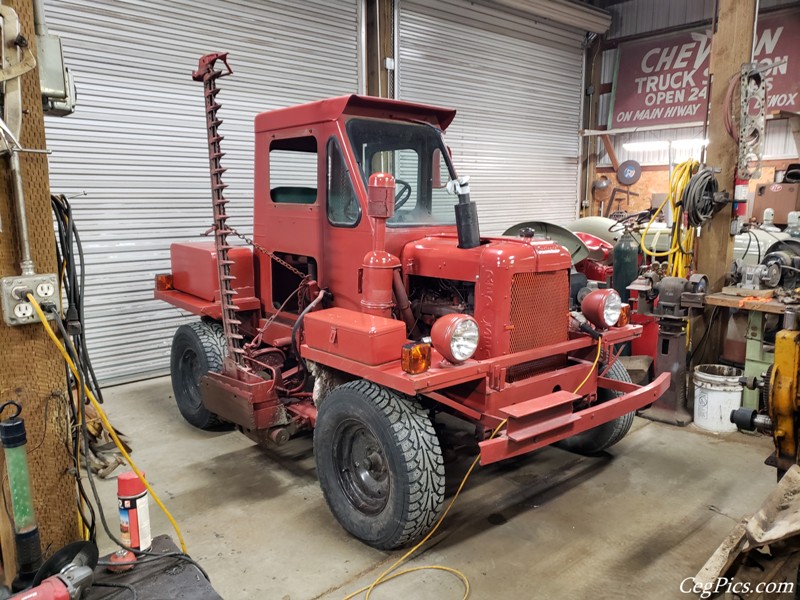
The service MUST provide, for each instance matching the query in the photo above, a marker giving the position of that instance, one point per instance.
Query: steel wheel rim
(361, 467)
(191, 371)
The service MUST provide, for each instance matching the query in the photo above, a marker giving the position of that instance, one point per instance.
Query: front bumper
(549, 419)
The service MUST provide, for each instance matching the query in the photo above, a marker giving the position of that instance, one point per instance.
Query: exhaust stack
(469, 235)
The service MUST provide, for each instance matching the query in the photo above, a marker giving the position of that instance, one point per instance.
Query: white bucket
(717, 392)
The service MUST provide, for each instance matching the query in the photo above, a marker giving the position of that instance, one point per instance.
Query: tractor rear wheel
(603, 436)
(379, 464)
(197, 348)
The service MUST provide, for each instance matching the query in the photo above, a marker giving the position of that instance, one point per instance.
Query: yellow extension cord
(382, 578)
(101, 413)
(679, 254)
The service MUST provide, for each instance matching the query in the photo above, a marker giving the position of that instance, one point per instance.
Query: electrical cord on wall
(69, 354)
(85, 437)
(388, 574)
(73, 282)
(79, 371)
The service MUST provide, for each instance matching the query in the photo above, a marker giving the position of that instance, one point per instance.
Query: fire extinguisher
(741, 188)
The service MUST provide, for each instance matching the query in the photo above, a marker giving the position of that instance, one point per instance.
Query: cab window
(342, 203)
(293, 170)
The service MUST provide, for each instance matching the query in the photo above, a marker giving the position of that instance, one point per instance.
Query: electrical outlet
(45, 289)
(23, 310)
(16, 308)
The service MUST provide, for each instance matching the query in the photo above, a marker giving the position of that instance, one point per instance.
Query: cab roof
(331, 109)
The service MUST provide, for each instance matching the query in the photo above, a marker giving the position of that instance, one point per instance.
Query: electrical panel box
(58, 87)
(17, 309)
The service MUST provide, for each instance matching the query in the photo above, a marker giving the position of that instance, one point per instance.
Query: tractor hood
(439, 256)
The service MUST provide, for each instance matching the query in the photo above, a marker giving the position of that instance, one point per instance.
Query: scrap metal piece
(752, 121)
(778, 518)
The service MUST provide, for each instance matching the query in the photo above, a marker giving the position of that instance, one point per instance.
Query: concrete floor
(632, 524)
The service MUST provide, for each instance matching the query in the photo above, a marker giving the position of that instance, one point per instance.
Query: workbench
(764, 305)
(758, 355)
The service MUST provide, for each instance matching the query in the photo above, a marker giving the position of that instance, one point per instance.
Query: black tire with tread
(203, 342)
(411, 449)
(602, 437)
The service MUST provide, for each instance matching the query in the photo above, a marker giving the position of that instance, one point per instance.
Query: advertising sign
(664, 81)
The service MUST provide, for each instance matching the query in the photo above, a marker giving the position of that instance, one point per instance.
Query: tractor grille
(539, 316)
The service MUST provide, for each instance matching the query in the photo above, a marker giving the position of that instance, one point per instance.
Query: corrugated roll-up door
(137, 142)
(516, 84)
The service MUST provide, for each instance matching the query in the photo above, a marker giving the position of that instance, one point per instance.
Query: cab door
(288, 211)
(347, 234)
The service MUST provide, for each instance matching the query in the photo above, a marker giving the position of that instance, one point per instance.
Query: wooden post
(31, 369)
(380, 46)
(731, 45)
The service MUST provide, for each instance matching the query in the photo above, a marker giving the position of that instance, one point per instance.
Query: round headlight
(455, 337)
(602, 307)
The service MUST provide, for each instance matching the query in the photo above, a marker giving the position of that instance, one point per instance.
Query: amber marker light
(164, 282)
(415, 358)
(624, 315)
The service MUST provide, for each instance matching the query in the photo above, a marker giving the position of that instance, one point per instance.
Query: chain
(263, 250)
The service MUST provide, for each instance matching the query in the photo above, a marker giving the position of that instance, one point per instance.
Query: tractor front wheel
(379, 464)
(197, 348)
(602, 437)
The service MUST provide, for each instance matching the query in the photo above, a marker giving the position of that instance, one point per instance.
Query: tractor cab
(313, 164)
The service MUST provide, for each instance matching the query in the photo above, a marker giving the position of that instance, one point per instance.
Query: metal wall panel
(516, 84)
(640, 16)
(137, 142)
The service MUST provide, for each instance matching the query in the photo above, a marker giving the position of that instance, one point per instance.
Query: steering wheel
(401, 197)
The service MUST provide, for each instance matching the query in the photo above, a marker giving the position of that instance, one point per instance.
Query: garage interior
(400, 299)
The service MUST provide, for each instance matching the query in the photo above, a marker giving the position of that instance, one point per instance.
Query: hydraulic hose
(698, 197)
(299, 323)
(403, 304)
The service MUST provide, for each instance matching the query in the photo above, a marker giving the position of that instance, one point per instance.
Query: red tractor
(369, 306)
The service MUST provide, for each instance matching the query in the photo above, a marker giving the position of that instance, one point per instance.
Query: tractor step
(542, 404)
(520, 434)
(527, 420)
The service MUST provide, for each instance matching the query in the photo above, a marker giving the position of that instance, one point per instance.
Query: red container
(134, 512)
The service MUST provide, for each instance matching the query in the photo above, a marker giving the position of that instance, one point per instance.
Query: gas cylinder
(626, 264)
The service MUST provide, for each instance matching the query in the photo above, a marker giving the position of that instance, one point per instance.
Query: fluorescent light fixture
(686, 144)
(646, 146)
(689, 144)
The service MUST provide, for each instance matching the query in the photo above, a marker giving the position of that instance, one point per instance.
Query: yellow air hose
(679, 253)
(102, 414)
